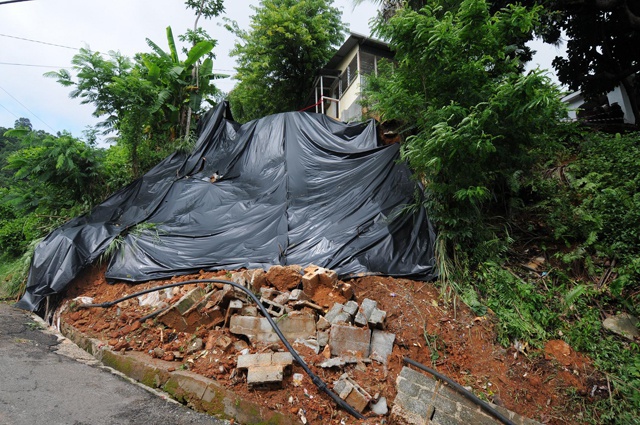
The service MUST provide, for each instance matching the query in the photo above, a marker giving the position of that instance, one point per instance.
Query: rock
(346, 290)
(158, 352)
(284, 278)
(380, 407)
(623, 324)
(195, 345)
(240, 345)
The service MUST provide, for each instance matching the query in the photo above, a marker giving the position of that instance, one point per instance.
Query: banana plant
(185, 83)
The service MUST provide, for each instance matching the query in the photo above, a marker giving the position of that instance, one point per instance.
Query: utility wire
(38, 41)
(34, 65)
(23, 105)
(12, 1)
(3, 107)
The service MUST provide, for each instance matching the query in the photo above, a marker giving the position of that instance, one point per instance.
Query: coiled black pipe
(468, 394)
(314, 378)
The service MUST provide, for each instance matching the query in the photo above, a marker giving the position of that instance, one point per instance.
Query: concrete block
(318, 276)
(265, 377)
(349, 390)
(265, 370)
(351, 308)
(364, 312)
(381, 345)
(257, 329)
(346, 340)
(341, 361)
(273, 308)
(376, 319)
(297, 295)
(333, 312)
(191, 311)
(249, 310)
(189, 299)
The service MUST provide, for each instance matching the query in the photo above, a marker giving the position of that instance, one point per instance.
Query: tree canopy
(603, 39)
(278, 57)
(471, 116)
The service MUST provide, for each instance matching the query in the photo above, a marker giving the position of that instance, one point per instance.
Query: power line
(34, 65)
(12, 1)
(3, 107)
(38, 41)
(23, 105)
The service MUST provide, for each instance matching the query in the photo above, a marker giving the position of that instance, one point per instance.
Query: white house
(337, 88)
(614, 107)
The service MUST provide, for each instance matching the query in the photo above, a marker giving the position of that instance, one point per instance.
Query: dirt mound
(448, 337)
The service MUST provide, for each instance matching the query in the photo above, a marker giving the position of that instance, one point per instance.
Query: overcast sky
(120, 25)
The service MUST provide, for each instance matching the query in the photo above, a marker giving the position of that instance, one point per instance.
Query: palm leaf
(197, 52)
(172, 45)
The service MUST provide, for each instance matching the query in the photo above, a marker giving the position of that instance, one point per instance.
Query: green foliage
(14, 271)
(473, 121)
(279, 56)
(62, 167)
(597, 210)
(150, 100)
(521, 306)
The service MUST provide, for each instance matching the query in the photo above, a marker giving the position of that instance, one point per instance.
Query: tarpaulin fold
(291, 188)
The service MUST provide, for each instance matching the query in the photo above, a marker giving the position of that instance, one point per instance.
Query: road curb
(200, 393)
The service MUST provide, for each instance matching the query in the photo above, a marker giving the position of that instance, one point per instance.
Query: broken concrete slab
(345, 340)
(341, 361)
(349, 390)
(422, 400)
(381, 345)
(623, 324)
(322, 324)
(257, 329)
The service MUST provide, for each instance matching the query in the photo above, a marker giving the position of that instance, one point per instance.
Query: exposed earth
(539, 384)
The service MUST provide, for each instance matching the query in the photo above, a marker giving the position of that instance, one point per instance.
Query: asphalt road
(45, 379)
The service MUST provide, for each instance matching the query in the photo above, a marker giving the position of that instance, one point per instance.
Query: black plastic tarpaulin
(291, 188)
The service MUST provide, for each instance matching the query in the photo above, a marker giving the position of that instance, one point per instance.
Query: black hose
(314, 378)
(468, 394)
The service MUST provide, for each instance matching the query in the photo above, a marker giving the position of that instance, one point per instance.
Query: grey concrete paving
(45, 379)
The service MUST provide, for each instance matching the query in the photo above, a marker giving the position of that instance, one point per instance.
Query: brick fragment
(349, 390)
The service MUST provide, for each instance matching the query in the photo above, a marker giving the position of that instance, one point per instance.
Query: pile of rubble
(353, 335)
(344, 333)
